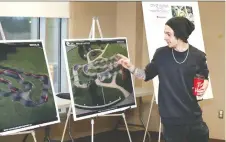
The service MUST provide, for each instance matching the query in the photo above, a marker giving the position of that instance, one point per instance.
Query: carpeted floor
(118, 136)
(121, 136)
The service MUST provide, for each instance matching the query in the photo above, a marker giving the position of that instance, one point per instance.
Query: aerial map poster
(26, 91)
(98, 85)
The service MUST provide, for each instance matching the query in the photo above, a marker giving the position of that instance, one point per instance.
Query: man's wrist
(132, 69)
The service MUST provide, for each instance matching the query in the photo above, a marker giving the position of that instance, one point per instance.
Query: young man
(176, 66)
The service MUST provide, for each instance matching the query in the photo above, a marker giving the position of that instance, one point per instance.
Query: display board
(98, 85)
(26, 91)
(155, 16)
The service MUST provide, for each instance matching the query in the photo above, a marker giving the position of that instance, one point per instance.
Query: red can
(197, 83)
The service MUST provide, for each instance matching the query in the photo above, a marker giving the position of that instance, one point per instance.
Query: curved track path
(23, 96)
(107, 69)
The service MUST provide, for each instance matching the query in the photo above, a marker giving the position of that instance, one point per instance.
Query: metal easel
(32, 132)
(149, 116)
(92, 36)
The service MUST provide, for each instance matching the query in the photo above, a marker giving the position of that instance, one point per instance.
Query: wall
(81, 14)
(35, 9)
(129, 24)
(214, 39)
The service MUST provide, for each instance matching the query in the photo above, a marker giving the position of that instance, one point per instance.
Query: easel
(32, 132)
(92, 36)
(149, 116)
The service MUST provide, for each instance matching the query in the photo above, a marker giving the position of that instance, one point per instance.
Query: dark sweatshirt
(176, 102)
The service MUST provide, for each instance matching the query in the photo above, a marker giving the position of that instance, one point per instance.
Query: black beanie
(181, 26)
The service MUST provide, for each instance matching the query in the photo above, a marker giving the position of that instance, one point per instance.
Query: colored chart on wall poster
(98, 85)
(155, 16)
(26, 91)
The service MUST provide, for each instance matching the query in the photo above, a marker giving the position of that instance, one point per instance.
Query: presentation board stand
(92, 36)
(66, 122)
(32, 132)
(149, 116)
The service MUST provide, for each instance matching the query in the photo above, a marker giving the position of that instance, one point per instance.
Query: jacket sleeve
(204, 67)
(151, 69)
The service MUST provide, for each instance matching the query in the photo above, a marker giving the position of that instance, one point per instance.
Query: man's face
(169, 37)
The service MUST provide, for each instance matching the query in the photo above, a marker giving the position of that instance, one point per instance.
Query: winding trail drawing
(27, 96)
(23, 95)
(102, 72)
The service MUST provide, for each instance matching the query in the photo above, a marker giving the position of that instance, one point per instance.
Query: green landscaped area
(13, 114)
(27, 59)
(37, 84)
(94, 95)
(4, 87)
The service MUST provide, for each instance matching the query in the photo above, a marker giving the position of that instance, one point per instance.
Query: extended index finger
(120, 56)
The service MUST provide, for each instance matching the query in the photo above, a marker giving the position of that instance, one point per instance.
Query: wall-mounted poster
(26, 90)
(98, 85)
(155, 16)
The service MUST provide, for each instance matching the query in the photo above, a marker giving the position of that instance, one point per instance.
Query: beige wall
(127, 25)
(214, 39)
(35, 9)
(81, 14)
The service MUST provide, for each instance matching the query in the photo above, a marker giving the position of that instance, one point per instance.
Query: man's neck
(181, 46)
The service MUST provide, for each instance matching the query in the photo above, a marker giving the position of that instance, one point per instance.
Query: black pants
(186, 133)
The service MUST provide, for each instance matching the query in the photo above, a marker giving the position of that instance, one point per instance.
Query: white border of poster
(155, 16)
(102, 111)
(25, 128)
